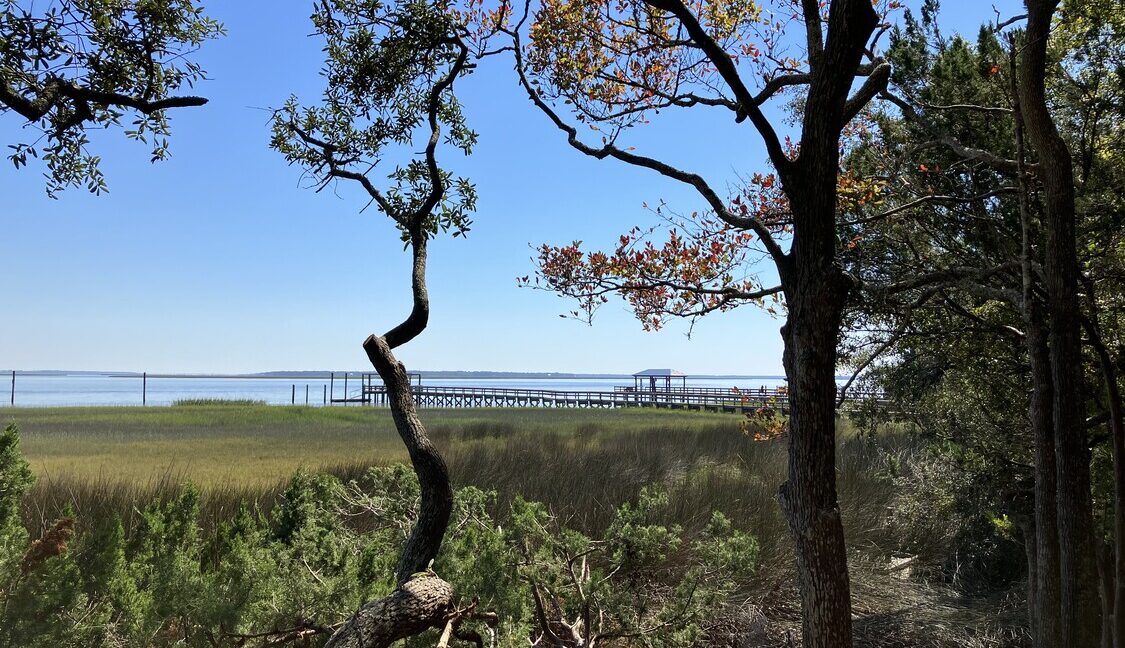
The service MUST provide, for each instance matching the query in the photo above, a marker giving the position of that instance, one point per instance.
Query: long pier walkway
(371, 391)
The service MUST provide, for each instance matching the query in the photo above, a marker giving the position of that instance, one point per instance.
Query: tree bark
(433, 475)
(1031, 552)
(1043, 566)
(809, 497)
(421, 600)
(816, 291)
(1116, 574)
(418, 604)
(1080, 613)
(1047, 613)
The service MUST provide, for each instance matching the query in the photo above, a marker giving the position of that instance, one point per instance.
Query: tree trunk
(1031, 551)
(1043, 566)
(1105, 582)
(1047, 612)
(433, 475)
(1116, 573)
(421, 600)
(809, 497)
(419, 604)
(815, 292)
(1081, 623)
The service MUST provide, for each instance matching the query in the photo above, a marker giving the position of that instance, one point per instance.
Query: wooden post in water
(345, 388)
(293, 395)
(325, 395)
(306, 393)
(144, 388)
(13, 387)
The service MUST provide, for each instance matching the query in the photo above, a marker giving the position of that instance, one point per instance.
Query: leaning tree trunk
(421, 599)
(1080, 606)
(433, 476)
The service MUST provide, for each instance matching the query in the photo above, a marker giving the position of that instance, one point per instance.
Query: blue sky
(218, 260)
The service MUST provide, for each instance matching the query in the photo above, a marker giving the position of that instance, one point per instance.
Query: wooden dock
(371, 391)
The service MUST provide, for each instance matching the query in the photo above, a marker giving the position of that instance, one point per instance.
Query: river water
(85, 389)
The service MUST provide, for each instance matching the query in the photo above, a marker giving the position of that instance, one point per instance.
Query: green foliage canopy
(70, 65)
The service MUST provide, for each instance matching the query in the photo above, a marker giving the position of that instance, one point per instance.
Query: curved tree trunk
(1080, 605)
(417, 605)
(1043, 565)
(433, 476)
(421, 600)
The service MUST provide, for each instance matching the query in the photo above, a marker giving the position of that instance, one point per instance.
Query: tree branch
(875, 83)
(727, 70)
(947, 276)
(929, 199)
(610, 150)
(55, 90)
(437, 185)
(966, 152)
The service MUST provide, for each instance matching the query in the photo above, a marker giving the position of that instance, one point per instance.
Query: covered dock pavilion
(654, 379)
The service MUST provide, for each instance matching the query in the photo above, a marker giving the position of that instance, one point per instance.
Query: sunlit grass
(255, 445)
(96, 463)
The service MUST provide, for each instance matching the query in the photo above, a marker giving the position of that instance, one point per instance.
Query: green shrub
(330, 545)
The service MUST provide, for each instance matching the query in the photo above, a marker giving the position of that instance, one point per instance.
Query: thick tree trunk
(1080, 605)
(418, 604)
(1105, 583)
(808, 497)
(1081, 622)
(1031, 550)
(816, 291)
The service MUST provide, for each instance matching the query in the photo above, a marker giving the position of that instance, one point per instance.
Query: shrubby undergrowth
(328, 545)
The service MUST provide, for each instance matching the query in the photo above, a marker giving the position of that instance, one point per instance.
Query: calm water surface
(66, 390)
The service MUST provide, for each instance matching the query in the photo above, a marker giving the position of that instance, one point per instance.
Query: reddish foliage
(51, 543)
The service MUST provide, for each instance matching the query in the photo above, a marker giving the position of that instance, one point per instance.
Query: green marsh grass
(100, 462)
(228, 402)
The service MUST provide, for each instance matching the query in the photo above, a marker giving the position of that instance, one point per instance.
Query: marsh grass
(582, 464)
(228, 402)
(99, 462)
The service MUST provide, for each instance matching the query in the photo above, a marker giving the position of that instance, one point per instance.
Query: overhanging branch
(610, 150)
